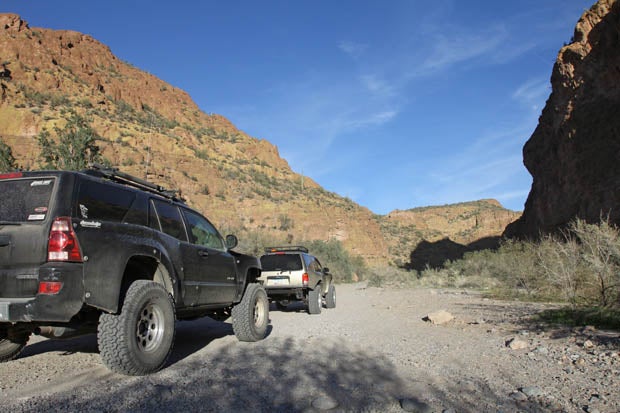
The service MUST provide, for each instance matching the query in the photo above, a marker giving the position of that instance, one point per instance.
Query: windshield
(281, 262)
(25, 200)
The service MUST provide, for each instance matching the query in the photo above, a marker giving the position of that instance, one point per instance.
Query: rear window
(281, 262)
(25, 200)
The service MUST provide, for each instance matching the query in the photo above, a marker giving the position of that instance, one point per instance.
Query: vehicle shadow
(271, 376)
(194, 335)
(292, 307)
(66, 347)
(191, 337)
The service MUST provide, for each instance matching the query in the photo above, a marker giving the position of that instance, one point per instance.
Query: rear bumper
(40, 307)
(281, 293)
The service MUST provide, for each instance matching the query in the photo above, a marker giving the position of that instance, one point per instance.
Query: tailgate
(24, 208)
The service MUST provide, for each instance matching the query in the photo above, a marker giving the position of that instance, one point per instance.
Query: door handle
(203, 253)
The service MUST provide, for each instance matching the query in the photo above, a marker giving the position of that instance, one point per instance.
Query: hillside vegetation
(153, 130)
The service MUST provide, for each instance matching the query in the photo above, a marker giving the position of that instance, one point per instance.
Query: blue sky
(395, 104)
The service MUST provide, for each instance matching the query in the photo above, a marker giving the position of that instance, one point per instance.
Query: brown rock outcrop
(574, 153)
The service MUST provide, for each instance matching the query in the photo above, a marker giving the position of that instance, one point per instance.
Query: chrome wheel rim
(259, 313)
(150, 328)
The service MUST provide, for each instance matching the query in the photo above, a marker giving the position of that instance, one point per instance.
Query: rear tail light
(11, 175)
(63, 244)
(304, 279)
(50, 287)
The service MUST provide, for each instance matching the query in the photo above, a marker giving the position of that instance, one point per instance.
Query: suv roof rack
(113, 174)
(288, 248)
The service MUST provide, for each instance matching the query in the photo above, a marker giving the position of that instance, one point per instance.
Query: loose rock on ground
(360, 356)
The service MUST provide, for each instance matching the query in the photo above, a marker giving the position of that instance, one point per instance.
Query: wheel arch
(145, 267)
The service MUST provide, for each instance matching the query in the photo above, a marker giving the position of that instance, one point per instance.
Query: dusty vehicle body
(102, 251)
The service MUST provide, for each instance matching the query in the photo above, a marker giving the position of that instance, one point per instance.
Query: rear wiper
(9, 223)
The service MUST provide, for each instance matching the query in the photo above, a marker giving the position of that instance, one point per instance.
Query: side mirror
(325, 270)
(231, 241)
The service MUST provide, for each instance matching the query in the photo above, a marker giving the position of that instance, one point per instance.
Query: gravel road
(374, 352)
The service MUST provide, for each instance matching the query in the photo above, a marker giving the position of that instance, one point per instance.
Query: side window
(315, 266)
(170, 219)
(201, 232)
(103, 202)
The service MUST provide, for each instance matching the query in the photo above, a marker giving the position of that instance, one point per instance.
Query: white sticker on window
(41, 183)
(36, 217)
(83, 211)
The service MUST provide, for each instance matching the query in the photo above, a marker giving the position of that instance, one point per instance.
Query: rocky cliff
(574, 153)
(155, 131)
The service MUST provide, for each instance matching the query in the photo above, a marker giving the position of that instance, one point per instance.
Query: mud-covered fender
(104, 268)
(248, 270)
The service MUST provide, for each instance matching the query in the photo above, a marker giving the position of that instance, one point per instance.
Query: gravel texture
(374, 352)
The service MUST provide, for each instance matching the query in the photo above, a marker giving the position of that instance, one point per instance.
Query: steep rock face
(574, 153)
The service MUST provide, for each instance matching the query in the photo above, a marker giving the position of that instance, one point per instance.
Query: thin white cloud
(506, 54)
(461, 46)
(377, 85)
(373, 119)
(353, 49)
(533, 93)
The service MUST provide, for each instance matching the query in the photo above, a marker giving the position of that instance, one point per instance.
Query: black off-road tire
(330, 297)
(12, 344)
(250, 318)
(315, 300)
(139, 340)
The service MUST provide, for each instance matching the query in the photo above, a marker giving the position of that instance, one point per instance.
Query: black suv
(102, 251)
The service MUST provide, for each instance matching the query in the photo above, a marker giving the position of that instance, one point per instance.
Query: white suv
(291, 274)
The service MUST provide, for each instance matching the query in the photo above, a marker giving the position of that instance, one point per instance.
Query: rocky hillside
(464, 223)
(573, 155)
(155, 131)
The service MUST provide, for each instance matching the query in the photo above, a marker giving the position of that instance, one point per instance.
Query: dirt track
(373, 352)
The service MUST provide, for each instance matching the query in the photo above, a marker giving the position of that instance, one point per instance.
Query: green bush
(332, 254)
(579, 266)
(7, 160)
(74, 147)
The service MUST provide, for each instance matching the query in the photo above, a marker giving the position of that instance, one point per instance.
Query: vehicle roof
(110, 176)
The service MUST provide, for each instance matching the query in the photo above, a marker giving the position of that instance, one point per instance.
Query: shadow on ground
(275, 375)
(191, 337)
(435, 254)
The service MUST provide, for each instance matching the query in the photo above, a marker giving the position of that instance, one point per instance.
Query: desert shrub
(74, 147)
(559, 260)
(508, 271)
(342, 265)
(387, 276)
(285, 222)
(599, 246)
(579, 266)
(7, 160)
